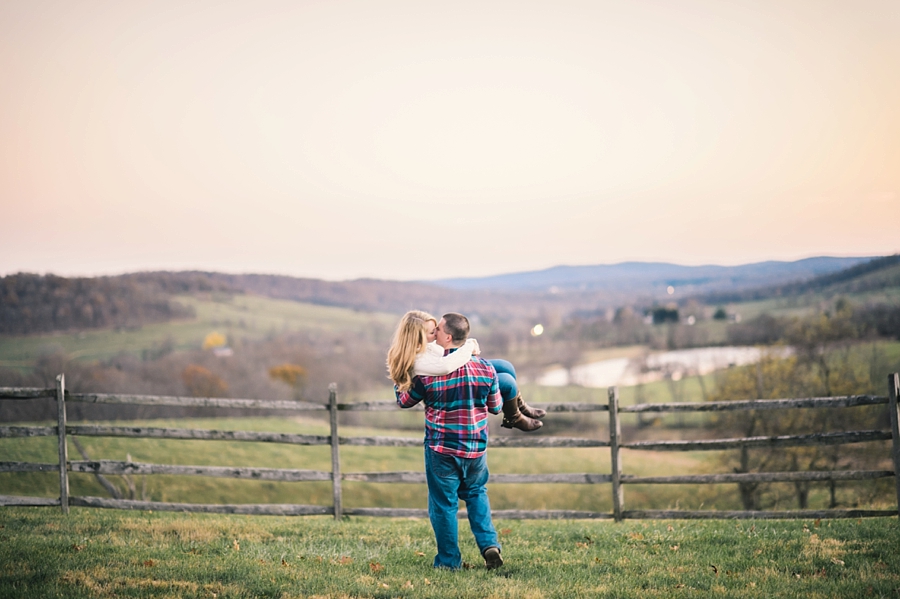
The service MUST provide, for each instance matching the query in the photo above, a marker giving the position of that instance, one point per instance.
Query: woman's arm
(432, 362)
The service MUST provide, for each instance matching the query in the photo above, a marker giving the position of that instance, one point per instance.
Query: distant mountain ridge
(652, 278)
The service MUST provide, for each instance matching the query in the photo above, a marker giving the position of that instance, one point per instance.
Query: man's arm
(495, 400)
(412, 396)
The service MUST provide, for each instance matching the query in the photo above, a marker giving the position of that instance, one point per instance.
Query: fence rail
(847, 401)
(616, 478)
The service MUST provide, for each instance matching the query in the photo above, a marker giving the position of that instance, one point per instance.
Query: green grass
(240, 316)
(104, 553)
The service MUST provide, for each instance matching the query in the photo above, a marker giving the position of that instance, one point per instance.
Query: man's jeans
(506, 378)
(450, 479)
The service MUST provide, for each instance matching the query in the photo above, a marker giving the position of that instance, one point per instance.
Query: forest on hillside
(37, 304)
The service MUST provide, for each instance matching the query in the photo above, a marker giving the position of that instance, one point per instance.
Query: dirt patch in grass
(89, 581)
(181, 530)
(99, 583)
(16, 568)
(516, 591)
(817, 547)
(195, 530)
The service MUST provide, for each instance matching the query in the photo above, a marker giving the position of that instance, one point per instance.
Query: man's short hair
(457, 326)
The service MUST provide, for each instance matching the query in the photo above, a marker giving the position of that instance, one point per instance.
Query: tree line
(844, 322)
(827, 372)
(31, 303)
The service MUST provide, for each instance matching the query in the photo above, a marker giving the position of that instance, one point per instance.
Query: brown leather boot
(528, 410)
(513, 418)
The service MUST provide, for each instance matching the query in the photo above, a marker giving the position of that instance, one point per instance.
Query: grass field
(239, 316)
(101, 553)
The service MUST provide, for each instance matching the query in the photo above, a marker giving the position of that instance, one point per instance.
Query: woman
(414, 353)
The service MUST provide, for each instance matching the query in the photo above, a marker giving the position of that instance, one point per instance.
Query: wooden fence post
(63, 448)
(615, 434)
(335, 452)
(894, 392)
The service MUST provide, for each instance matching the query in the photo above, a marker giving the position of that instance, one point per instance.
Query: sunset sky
(415, 140)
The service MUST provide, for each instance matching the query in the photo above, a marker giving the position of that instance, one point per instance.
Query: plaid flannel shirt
(456, 407)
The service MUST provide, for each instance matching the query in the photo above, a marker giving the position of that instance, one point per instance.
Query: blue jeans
(506, 376)
(450, 479)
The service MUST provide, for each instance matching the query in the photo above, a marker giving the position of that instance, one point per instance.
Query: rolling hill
(38, 304)
(874, 275)
(650, 278)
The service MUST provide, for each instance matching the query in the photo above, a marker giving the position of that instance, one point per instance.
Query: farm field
(107, 553)
(236, 317)
(810, 302)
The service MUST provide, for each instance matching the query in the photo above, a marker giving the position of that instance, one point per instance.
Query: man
(456, 435)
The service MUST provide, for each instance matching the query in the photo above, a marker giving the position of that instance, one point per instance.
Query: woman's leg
(513, 417)
(503, 366)
(506, 376)
(509, 388)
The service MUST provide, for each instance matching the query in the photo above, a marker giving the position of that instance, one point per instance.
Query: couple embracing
(437, 363)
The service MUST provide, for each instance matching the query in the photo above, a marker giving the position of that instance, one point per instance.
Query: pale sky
(415, 140)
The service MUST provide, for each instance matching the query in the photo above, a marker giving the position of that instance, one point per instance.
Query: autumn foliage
(200, 382)
(292, 375)
(214, 339)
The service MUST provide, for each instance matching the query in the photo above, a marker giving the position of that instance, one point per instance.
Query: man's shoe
(492, 558)
(528, 410)
(513, 418)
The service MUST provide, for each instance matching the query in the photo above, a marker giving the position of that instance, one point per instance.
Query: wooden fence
(616, 478)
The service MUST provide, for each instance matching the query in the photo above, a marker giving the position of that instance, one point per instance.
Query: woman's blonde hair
(409, 341)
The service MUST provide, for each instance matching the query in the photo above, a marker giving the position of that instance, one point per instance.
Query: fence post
(893, 392)
(335, 452)
(63, 448)
(615, 434)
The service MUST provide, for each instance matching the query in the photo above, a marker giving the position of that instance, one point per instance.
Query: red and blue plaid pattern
(456, 407)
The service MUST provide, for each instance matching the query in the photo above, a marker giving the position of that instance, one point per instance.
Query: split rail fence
(616, 478)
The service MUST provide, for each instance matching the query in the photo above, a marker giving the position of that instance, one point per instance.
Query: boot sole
(492, 559)
(510, 426)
